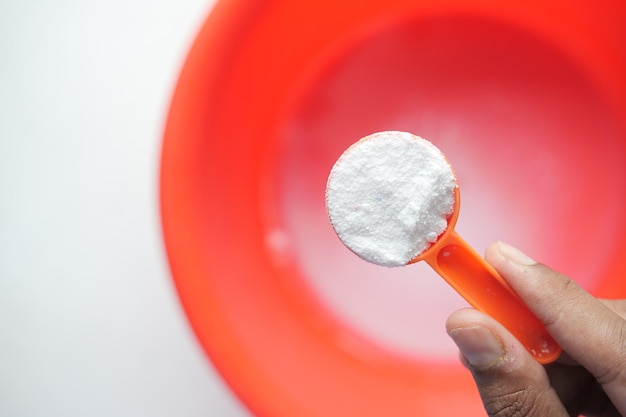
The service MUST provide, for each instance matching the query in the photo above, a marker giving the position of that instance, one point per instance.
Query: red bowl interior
(527, 101)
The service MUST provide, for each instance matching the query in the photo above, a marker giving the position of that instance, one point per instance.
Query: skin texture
(590, 377)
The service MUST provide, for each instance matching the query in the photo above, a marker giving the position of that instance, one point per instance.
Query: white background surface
(89, 321)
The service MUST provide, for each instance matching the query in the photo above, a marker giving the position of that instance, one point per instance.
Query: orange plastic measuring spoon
(354, 211)
(483, 287)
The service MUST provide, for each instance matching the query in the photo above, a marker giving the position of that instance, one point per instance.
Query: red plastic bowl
(527, 99)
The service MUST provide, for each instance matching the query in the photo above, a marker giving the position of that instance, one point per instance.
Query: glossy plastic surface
(275, 341)
(483, 287)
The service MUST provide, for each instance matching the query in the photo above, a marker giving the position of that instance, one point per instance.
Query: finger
(618, 306)
(579, 391)
(509, 380)
(591, 333)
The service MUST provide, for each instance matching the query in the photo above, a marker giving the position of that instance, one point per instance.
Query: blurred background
(90, 324)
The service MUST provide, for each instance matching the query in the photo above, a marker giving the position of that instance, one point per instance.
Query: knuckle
(507, 404)
(614, 370)
(617, 306)
(558, 301)
(518, 403)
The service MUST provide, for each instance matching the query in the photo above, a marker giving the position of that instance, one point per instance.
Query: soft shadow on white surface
(89, 321)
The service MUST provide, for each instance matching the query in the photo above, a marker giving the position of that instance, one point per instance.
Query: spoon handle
(483, 287)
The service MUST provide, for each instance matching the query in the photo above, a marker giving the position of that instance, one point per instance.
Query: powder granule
(389, 197)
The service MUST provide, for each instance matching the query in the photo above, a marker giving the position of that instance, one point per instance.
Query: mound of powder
(389, 197)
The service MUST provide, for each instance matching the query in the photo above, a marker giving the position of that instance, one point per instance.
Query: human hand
(590, 377)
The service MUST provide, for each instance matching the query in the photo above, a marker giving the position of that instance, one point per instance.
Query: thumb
(510, 381)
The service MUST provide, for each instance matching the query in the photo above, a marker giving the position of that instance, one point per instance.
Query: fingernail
(480, 347)
(515, 255)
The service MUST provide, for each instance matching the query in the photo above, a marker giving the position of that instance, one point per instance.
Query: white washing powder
(389, 197)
